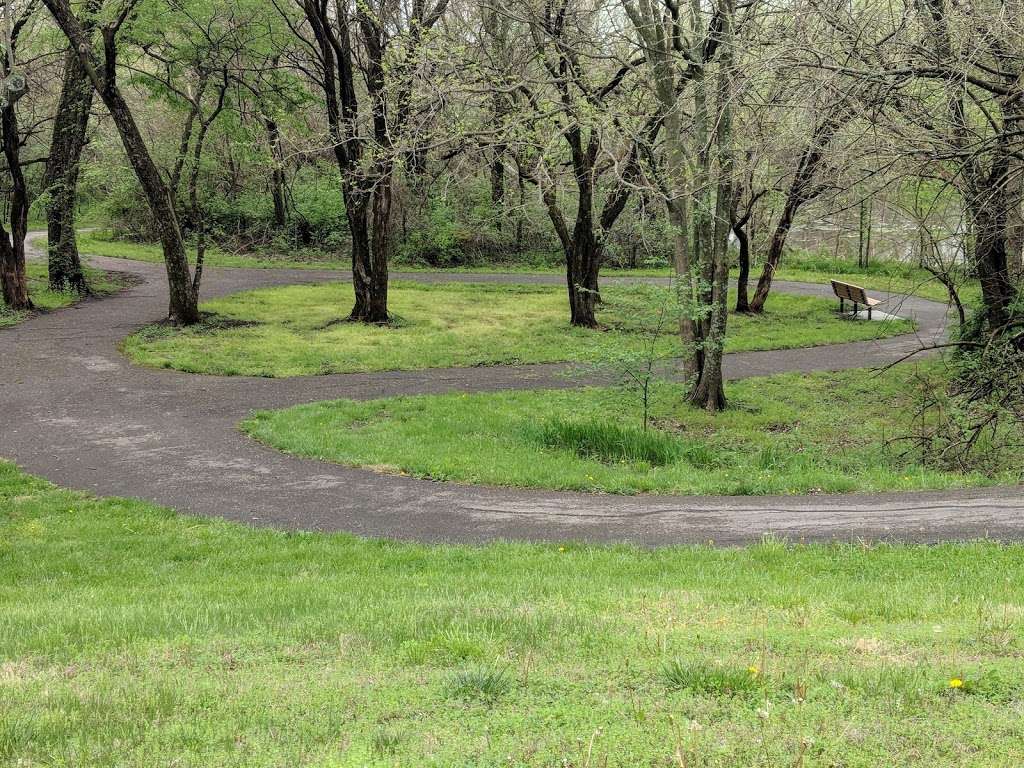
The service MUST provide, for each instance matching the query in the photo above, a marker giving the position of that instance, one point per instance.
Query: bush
(975, 422)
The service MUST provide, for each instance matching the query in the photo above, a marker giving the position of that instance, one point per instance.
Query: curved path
(78, 413)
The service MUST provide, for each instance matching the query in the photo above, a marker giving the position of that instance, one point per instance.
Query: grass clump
(299, 330)
(710, 680)
(481, 683)
(610, 442)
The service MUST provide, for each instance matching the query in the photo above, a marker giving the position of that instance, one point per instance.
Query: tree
(389, 39)
(579, 112)
(102, 70)
(191, 62)
(680, 49)
(62, 166)
(13, 276)
(803, 188)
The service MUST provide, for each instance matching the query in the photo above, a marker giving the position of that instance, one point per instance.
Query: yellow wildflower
(956, 682)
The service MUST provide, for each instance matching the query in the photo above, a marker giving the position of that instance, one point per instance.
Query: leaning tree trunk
(13, 275)
(801, 190)
(184, 303)
(61, 177)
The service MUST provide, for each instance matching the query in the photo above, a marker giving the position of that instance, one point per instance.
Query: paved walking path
(78, 413)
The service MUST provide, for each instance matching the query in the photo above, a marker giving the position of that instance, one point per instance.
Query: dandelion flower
(956, 682)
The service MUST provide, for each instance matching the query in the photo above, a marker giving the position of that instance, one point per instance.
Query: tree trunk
(801, 190)
(775, 248)
(582, 267)
(13, 276)
(864, 234)
(990, 259)
(61, 177)
(709, 391)
(184, 304)
(742, 287)
(498, 186)
(277, 175)
(368, 216)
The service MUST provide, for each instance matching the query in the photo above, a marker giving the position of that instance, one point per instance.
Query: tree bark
(13, 275)
(367, 188)
(184, 304)
(277, 181)
(583, 266)
(743, 279)
(742, 224)
(61, 177)
(989, 215)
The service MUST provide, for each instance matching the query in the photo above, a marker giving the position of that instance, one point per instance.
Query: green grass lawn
(300, 330)
(132, 636)
(779, 436)
(39, 291)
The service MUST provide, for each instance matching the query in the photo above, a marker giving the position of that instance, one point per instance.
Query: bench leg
(855, 309)
(842, 306)
(869, 313)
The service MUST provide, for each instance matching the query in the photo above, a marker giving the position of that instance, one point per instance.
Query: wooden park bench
(847, 292)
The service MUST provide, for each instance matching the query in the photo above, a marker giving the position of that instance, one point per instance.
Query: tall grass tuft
(703, 678)
(483, 683)
(611, 442)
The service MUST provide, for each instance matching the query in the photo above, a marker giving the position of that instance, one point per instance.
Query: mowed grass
(791, 433)
(302, 330)
(131, 636)
(102, 283)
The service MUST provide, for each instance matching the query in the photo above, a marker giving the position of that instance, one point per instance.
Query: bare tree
(696, 179)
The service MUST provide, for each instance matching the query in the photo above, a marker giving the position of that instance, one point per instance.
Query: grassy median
(790, 433)
(302, 330)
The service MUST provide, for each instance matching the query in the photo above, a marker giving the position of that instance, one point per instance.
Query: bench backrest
(849, 292)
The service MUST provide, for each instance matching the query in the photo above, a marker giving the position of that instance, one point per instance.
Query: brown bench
(847, 292)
